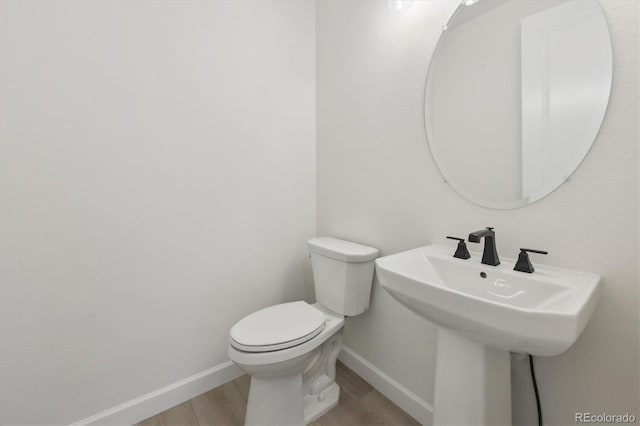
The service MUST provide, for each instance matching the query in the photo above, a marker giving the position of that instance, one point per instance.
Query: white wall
(157, 183)
(377, 184)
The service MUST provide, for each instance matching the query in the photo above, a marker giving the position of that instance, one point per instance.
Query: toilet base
(279, 402)
(317, 405)
(275, 401)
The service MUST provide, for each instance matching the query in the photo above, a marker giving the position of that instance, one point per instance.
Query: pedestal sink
(483, 313)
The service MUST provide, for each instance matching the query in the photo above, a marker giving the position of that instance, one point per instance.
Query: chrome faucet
(490, 254)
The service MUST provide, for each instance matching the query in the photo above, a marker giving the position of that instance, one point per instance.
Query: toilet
(290, 349)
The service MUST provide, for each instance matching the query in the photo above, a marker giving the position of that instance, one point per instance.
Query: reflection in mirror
(515, 96)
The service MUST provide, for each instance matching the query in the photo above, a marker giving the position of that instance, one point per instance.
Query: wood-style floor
(360, 404)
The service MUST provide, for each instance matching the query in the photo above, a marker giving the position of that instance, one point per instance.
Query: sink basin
(542, 313)
(483, 312)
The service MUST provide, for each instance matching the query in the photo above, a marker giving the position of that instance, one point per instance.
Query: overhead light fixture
(470, 2)
(399, 4)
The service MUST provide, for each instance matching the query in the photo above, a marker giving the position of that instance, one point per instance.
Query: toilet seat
(277, 327)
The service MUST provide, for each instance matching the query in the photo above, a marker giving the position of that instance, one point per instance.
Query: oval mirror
(515, 96)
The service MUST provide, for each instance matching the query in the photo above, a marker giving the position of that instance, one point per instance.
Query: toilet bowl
(290, 349)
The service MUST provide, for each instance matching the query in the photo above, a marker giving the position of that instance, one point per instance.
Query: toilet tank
(342, 274)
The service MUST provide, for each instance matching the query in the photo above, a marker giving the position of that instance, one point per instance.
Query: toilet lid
(277, 327)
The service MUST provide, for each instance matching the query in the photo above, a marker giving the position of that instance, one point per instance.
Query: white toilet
(290, 350)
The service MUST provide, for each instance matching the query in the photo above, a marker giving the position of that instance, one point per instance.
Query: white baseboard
(415, 406)
(145, 406)
(152, 403)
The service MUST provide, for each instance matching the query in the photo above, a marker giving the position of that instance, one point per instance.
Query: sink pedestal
(473, 382)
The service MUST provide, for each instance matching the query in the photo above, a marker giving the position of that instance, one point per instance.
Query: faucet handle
(534, 251)
(461, 251)
(524, 264)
